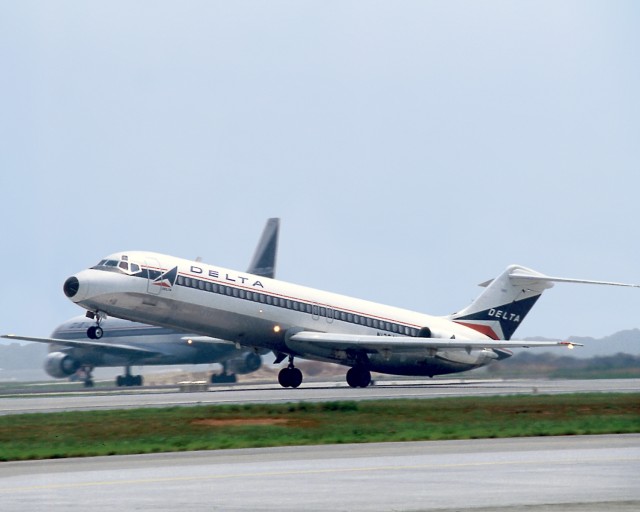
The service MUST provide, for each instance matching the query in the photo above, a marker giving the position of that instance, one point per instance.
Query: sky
(412, 149)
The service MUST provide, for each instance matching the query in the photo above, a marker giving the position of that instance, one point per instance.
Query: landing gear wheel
(283, 377)
(95, 332)
(358, 377)
(86, 371)
(224, 378)
(295, 376)
(128, 380)
(290, 377)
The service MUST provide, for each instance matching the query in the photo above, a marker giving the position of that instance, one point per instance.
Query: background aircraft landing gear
(223, 378)
(290, 377)
(88, 378)
(358, 377)
(128, 380)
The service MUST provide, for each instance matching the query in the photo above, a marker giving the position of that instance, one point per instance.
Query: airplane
(297, 321)
(76, 348)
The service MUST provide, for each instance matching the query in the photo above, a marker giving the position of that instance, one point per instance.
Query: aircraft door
(318, 312)
(154, 271)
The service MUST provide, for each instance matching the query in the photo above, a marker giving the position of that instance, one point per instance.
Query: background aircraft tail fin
(263, 262)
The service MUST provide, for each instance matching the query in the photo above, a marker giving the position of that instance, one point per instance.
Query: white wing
(373, 344)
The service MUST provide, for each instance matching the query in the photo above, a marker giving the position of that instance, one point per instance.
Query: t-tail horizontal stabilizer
(500, 309)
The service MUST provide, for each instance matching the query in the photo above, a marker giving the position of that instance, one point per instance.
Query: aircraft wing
(206, 340)
(374, 344)
(114, 348)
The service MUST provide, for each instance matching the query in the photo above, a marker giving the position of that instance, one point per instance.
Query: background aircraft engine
(246, 363)
(60, 365)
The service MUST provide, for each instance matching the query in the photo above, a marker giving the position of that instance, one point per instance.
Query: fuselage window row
(319, 311)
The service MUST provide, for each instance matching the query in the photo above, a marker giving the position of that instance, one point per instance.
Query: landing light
(189, 341)
(276, 328)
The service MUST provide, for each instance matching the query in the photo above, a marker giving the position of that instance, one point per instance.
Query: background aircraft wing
(114, 348)
(386, 344)
(206, 340)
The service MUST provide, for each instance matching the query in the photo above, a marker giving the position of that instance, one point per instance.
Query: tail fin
(500, 309)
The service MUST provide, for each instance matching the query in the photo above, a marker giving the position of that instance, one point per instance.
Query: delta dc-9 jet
(296, 321)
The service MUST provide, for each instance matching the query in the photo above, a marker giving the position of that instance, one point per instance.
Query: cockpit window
(123, 266)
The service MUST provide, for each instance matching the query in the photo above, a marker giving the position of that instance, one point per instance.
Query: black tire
(358, 377)
(91, 333)
(119, 381)
(284, 377)
(137, 380)
(295, 377)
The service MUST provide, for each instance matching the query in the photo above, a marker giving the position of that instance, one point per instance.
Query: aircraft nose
(71, 287)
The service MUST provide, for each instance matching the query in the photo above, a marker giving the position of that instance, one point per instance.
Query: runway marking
(296, 472)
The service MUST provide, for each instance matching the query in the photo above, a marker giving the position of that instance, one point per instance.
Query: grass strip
(92, 433)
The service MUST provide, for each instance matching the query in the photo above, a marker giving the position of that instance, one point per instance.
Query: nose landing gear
(95, 332)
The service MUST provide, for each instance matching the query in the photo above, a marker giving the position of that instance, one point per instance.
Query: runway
(322, 391)
(582, 473)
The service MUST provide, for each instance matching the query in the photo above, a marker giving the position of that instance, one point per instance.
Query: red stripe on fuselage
(483, 329)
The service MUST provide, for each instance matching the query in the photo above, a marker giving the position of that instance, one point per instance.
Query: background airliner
(296, 321)
(75, 348)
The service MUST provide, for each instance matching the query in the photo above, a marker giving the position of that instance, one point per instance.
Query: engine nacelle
(246, 363)
(60, 365)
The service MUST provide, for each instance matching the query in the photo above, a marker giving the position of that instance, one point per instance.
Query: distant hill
(627, 342)
(623, 341)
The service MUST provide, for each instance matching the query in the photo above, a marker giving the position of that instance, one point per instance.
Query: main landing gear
(95, 332)
(358, 377)
(223, 378)
(128, 380)
(86, 373)
(290, 377)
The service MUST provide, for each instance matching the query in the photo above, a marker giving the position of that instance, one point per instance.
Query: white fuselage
(259, 312)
